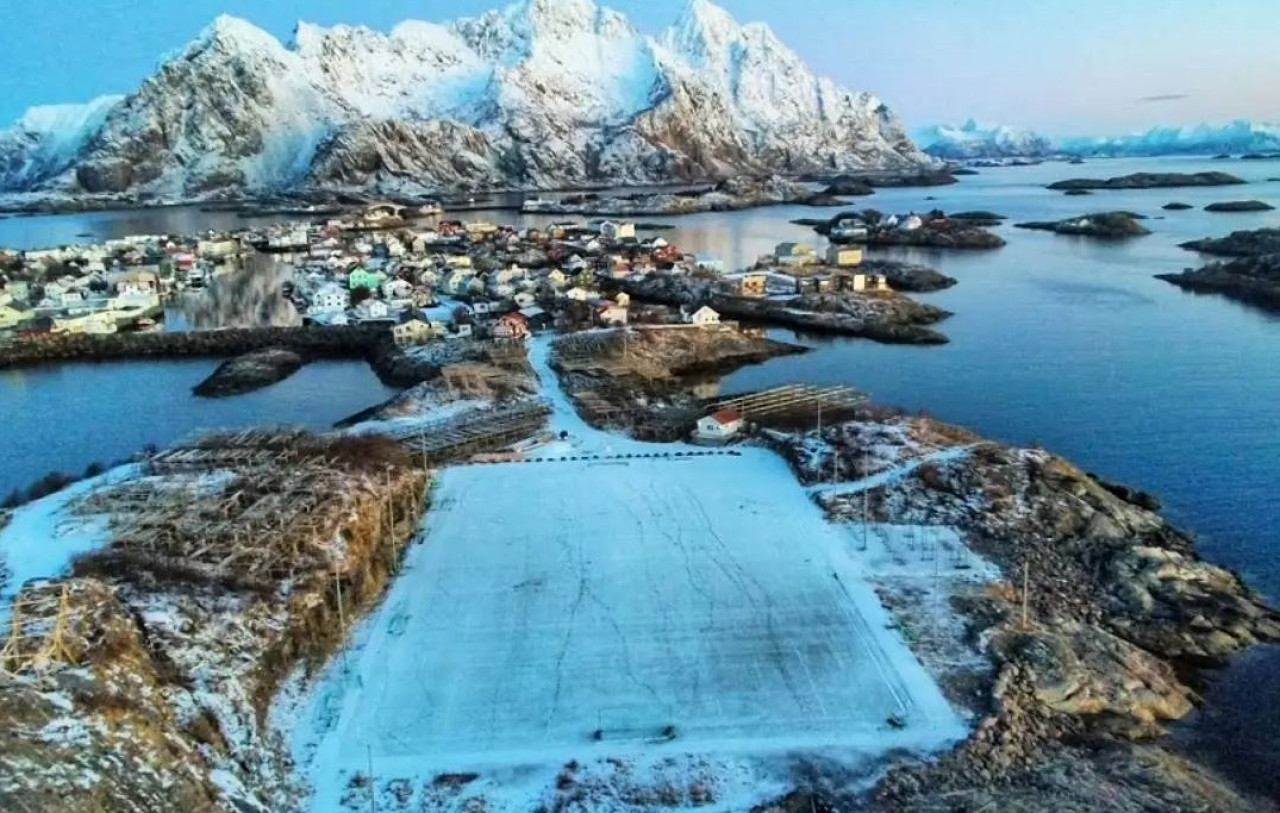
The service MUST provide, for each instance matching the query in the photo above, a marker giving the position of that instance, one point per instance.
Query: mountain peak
(702, 29)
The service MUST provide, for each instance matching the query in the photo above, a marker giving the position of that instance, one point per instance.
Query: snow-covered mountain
(1206, 139)
(972, 140)
(542, 93)
(46, 140)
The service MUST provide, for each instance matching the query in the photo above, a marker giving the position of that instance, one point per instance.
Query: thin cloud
(1163, 97)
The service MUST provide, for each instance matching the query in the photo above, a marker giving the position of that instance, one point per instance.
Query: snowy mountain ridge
(972, 140)
(1238, 136)
(542, 93)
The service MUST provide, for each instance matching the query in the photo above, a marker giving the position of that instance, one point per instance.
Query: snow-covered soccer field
(568, 609)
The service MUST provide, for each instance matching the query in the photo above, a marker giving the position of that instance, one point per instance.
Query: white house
(720, 427)
(910, 223)
(579, 294)
(705, 317)
(396, 288)
(372, 309)
(329, 298)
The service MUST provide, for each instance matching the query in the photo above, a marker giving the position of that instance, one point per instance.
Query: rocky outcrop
(249, 372)
(1239, 206)
(1252, 279)
(1177, 207)
(906, 276)
(1103, 225)
(1151, 180)
(1092, 659)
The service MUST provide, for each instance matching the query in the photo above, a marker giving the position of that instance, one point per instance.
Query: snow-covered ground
(43, 537)
(689, 614)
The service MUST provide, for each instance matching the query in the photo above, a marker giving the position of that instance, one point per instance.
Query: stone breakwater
(373, 344)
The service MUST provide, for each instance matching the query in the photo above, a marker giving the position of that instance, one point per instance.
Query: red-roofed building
(719, 427)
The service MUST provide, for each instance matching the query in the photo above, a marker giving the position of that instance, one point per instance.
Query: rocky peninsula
(249, 372)
(1075, 660)
(1103, 225)
(1151, 180)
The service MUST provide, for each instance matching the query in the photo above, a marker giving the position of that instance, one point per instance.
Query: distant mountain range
(971, 141)
(540, 94)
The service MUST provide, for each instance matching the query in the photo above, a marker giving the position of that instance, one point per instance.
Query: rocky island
(979, 218)
(1239, 206)
(934, 229)
(742, 192)
(883, 316)
(249, 372)
(1103, 225)
(1151, 180)
(1239, 244)
(1175, 206)
(1255, 280)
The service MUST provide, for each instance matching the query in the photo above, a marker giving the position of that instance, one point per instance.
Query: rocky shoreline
(1103, 610)
(1103, 225)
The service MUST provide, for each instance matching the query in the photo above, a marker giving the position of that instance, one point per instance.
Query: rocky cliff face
(541, 93)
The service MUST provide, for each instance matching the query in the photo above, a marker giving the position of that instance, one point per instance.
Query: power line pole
(1026, 584)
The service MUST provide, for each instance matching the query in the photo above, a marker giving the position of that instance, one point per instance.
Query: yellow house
(844, 256)
(12, 317)
(414, 331)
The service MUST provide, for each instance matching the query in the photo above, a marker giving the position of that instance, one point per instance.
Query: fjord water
(1064, 341)
(64, 417)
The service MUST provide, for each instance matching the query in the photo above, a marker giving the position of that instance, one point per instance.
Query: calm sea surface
(1062, 341)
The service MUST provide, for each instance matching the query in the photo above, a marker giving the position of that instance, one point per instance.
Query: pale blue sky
(1061, 66)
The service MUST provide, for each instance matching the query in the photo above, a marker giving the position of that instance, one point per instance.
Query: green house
(360, 278)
